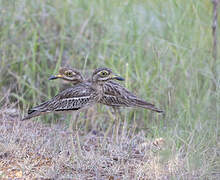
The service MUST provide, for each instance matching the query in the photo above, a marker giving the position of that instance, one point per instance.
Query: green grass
(163, 48)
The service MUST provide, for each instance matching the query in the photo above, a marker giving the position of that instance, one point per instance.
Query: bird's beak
(55, 77)
(117, 77)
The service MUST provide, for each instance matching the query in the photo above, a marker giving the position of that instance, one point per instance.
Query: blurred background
(162, 48)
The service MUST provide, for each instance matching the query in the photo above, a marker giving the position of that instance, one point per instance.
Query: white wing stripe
(76, 98)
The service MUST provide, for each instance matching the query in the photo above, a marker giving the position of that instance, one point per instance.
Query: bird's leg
(124, 127)
(117, 124)
(74, 117)
(89, 118)
(110, 125)
(78, 141)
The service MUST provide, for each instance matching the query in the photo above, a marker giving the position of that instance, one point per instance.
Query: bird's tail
(32, 114)
(153, 108)
(140, 103)
(36, 111)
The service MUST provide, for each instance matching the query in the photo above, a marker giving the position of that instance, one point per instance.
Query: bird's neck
(77, 82)
(98, 86)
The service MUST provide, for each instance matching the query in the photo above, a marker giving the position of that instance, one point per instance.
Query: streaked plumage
(82, 95)
(116, 95)
(69, 74)
(74, 98)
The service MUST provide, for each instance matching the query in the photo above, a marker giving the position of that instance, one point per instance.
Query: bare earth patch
(33, 150)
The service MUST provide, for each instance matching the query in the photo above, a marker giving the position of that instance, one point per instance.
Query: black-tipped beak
(54, 77)
(119, 78)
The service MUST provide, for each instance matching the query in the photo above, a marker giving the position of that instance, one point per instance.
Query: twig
(214, 53)
(214, 34)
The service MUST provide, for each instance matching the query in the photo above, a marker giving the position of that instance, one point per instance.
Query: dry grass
(162, 49)
(34, 150)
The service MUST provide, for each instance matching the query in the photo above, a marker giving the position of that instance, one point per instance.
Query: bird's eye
(69, 73)
(104, 73)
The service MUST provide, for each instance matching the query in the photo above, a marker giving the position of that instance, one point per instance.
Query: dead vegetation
(35, 150)
(170, 43)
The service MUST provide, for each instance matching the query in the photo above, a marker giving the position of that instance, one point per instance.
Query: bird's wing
(117, 95)
(116, 91)
(73, 98)
(112, 88)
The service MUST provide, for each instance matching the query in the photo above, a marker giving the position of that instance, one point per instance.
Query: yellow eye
(104, 73)
(69, 73)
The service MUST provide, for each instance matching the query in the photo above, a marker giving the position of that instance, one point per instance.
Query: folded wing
(117, 96)
(71, 99)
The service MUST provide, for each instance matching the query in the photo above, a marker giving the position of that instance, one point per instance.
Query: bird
(114, 94)
(83, 94)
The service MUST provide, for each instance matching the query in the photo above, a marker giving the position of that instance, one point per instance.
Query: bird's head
(101, 75)
(68, 74)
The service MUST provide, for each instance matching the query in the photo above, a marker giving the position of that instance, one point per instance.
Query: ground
(31, 149)
(163, 49)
